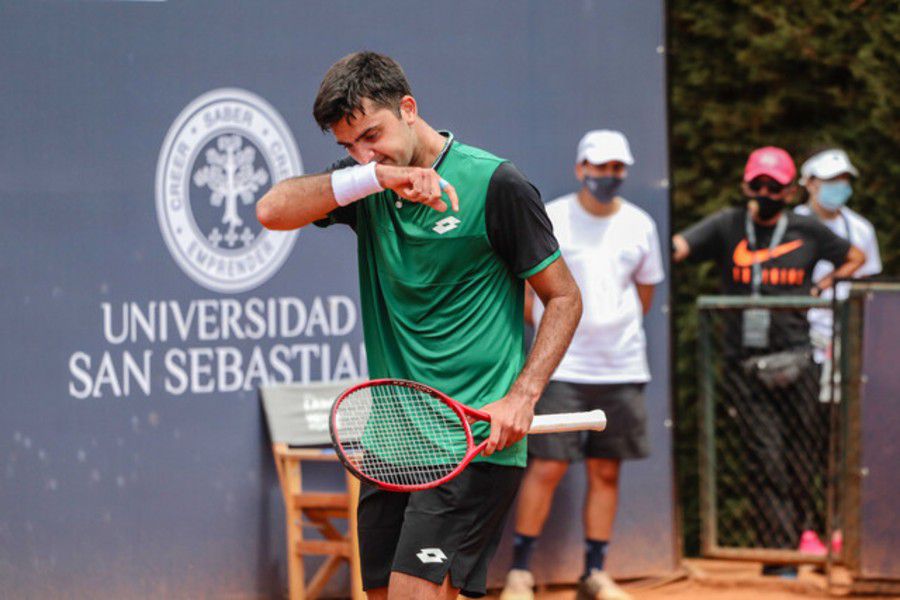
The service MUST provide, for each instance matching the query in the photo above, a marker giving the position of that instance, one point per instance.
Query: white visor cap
(827, 164)
(602, 146)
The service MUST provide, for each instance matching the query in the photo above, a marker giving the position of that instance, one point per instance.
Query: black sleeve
(345, 215)
(517, 224)
(705, 237)
(830, 246)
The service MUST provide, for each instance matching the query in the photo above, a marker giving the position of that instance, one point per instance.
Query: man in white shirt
(612, 249)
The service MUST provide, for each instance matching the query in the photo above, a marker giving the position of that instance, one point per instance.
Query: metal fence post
(707, 475)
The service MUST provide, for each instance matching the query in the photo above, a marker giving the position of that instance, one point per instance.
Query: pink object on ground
(811, 544)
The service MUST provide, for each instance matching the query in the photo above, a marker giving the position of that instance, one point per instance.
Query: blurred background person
(612, 248)
(828, 178)
(764, 249)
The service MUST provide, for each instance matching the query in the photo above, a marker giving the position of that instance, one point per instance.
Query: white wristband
(353, 183)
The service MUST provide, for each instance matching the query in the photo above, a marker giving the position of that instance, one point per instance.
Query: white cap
(602, 146)
(827, 164)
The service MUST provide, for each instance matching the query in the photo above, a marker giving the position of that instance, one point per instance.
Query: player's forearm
(557, 326)
(296, 202)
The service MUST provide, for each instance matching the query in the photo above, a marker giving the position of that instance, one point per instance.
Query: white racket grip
(579, 421)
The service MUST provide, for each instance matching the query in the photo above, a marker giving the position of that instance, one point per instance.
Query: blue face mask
(834, 194)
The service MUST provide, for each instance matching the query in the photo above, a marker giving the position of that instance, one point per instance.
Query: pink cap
(771, 161)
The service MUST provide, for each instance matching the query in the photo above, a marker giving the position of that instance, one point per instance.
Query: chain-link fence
(792, 448)
(765, 429)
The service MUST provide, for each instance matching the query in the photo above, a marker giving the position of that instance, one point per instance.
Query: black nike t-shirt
(786, 268)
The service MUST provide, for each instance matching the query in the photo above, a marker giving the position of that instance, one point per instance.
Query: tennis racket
(405, 436)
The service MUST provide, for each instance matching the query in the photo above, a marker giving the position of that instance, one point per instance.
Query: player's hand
(510, 420)
(418, 185)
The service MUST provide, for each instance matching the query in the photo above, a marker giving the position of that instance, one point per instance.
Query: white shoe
(600, 586)
(519, 585)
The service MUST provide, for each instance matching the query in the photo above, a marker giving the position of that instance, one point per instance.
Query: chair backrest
(297, 413)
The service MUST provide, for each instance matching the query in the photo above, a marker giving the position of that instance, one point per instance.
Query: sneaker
(811, 544)
(600, 586)
(519, 585)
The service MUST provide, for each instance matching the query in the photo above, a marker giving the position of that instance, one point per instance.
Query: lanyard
(847, 225)
(777, 235)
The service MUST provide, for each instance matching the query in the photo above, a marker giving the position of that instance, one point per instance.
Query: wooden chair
(317, 509)
(297, 418)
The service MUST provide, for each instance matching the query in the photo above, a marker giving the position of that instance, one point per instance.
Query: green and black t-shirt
(442, 294)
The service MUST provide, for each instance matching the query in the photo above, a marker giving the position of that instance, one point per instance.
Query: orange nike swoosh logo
(743, 257)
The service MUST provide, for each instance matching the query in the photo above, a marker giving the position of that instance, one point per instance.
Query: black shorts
(625, 436)
(455, 527)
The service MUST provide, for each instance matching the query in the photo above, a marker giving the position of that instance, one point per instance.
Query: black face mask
(768, 207)
(603, 189)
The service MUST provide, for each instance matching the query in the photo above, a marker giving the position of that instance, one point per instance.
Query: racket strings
(400, 435)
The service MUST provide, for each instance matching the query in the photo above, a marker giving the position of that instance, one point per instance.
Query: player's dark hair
(356, 76)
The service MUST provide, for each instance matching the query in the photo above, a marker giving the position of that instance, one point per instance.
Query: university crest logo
(222, 153)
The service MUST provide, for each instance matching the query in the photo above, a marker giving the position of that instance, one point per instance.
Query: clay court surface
(707, 579)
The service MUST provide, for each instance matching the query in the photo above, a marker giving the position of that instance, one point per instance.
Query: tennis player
(447, 234)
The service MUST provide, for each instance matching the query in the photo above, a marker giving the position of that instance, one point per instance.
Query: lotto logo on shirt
(744, 259)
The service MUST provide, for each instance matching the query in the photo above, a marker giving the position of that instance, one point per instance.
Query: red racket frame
(461, 410)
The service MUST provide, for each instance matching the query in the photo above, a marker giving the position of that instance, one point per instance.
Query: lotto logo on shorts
(431, 555)
(222, 153)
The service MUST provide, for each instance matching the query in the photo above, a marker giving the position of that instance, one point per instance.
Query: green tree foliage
(800, 75)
